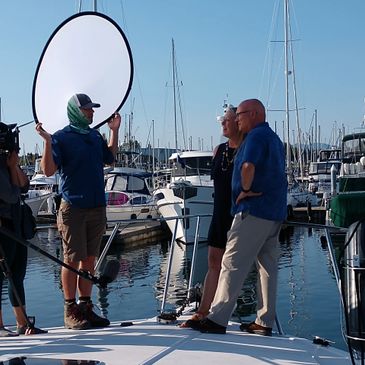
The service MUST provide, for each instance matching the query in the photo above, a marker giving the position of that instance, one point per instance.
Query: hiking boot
(94, 320)
(74, 318)
(253, 327)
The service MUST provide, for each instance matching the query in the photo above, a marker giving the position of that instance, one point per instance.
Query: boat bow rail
(152, 341)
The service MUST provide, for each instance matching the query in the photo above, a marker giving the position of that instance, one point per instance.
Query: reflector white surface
(88, 53)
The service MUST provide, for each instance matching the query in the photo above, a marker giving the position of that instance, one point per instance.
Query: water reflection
(307, 292)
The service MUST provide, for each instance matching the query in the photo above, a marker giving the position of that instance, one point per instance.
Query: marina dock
(309, 214)
(134, 234)
(138, 234)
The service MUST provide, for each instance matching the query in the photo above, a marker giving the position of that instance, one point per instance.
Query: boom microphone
(108, 273)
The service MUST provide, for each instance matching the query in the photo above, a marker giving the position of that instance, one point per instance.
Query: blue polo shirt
(263, 148)
(80, 159)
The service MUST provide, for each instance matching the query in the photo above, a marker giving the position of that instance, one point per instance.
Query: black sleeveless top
(221, 173)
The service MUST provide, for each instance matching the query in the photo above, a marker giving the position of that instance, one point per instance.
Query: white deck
(148, 342)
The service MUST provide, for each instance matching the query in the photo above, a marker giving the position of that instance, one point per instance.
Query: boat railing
(328, 230)
(158, 219)
(118, 223)
(349, 272)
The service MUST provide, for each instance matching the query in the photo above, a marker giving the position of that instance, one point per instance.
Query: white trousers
(250, 240)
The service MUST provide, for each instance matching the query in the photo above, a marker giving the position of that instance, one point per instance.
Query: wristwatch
(245, 190)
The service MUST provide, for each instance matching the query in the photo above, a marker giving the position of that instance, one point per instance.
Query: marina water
(308, 303)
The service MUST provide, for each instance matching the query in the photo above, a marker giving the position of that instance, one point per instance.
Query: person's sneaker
(253, 327)
(74, 318)
(208, 326)
(94, 320)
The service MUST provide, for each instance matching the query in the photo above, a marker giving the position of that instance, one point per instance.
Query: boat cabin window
(193, 166)
(115, 182)
(135, 183)
(126, 183)
(323, 167)
(333, 154)
(353, 149)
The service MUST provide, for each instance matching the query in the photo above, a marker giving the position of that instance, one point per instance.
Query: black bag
(28, 222)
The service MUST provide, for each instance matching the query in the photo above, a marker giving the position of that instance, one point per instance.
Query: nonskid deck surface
(148, 342)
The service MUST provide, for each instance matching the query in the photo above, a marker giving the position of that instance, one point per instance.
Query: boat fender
(354, 284)
(362, 161)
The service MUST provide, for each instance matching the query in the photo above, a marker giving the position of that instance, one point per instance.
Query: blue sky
(222, 52)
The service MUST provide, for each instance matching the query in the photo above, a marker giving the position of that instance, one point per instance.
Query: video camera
(9, 138)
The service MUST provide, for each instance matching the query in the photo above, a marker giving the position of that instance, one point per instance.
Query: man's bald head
(250, 113)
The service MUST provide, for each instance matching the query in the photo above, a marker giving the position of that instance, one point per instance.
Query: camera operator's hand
(42, 132)
(17, 175)
(12, 160)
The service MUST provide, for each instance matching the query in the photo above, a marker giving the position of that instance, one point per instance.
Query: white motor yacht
(188, 194)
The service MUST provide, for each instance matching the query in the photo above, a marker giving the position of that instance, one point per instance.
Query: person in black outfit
(13, 255)
(222, 167)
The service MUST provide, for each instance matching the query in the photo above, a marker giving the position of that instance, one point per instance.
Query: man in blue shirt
(79, 153)
(259, 189)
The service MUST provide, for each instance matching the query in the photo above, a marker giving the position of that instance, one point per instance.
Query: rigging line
(279, 56)
(124, 21)
(266, 66)
(180, 104)
(166, 100)
(136, 75)
(181, 116)
(276, 61)
(149, 134)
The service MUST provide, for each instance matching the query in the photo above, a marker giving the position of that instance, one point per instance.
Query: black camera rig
(9, 138)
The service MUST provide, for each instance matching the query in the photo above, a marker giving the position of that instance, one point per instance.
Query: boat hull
(187, 201)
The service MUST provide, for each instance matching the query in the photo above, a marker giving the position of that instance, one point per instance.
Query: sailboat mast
(174, 89)
(300, 157)
(286, 50)
(153, 149)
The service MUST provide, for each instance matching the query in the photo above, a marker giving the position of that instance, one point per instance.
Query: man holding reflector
(79, 153)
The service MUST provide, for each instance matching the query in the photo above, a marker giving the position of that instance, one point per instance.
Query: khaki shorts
(81, 230)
